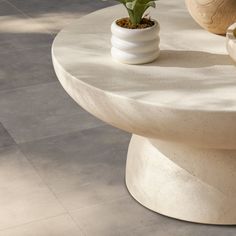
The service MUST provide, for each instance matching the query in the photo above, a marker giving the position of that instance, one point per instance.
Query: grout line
(67, 211)
(10, 147)
(25, 87)
(46, 186)
(94, 205)
(64, 134)
(101, 203)
(28, 16)
(33, 221)
(33, 47)
(77, 225)
(54, 194)
(20, 11)
(14, 141)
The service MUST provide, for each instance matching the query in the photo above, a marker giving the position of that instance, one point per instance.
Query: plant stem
(132, 18)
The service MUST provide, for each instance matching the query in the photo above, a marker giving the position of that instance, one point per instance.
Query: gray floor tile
(171, 227)
(69, 151)
(129, 218)
(26, 67)
(5, 138)
(83, 168)
(55, 14)
(56, 226)
(41, 111)
(115, 218)
(18, 32)
(25, 48)
(23, 195)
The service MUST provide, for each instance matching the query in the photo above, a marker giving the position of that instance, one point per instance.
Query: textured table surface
(193, 72)
(188, 95)
(181, 110)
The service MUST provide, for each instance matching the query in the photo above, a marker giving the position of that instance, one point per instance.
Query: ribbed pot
(213, 15)
(135, 46)
(231, 41)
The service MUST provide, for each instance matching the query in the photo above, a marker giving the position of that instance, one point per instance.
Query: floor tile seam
(47, 28)
(65, 211)
(28, 16)
(94, 205)
(33, 221)
(125, 196)
(59, 135)
(27, 86)
(8, 133)
(17, 9)
(78, 225)
(7, 51)
(132, 229)
(34, 169)
(52, 192)
(115, 200)
(60, 202)
(43, 181)
(2, 149)
(70, 190)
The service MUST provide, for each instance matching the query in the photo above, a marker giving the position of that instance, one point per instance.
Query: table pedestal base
(192, 184)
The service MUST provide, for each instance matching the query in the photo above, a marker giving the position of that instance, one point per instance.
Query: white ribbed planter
(135, 46)
(231, 41)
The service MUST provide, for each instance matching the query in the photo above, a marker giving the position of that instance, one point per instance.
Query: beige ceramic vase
(213, 15)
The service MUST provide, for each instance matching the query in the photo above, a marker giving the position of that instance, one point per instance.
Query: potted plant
(231, 41)
(135, 39)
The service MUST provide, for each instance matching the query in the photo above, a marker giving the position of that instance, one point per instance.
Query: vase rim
(156, 25)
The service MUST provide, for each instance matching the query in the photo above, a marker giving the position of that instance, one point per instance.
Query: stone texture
(34, 65)
(20, 33)
(25, 50)
(181, 108)
(24, 197)
(114, 218)
(37, 112)
(84, 168)
(200, 82)
(57, 226)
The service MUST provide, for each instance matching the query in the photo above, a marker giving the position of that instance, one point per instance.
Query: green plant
(137, 8)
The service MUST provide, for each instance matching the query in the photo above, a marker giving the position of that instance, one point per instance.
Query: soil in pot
(126, 23)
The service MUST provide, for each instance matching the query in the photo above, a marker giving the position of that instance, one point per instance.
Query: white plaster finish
(186, 100)
(183, 182)
(135, 46)
(231, 41)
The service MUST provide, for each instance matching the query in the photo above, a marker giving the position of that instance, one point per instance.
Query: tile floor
(61, 170)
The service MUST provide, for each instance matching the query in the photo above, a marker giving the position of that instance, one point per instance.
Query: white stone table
(181, 110)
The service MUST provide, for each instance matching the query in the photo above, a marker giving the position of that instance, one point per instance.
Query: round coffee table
(181, 110)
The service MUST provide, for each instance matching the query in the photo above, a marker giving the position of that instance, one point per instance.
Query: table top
(193, 71)
(188, 95)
